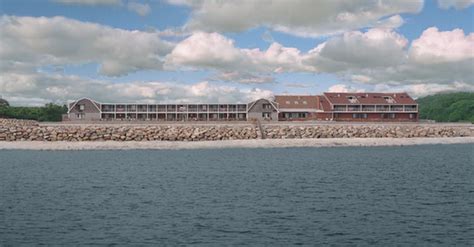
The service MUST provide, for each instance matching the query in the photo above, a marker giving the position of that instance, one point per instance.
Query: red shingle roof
(369, 98)
(297, 101)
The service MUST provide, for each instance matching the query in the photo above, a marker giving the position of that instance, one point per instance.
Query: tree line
(448, 107)
(47, 113)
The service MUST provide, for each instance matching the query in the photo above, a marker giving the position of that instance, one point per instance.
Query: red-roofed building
(372, 107)
(361, 107)
(297, 107)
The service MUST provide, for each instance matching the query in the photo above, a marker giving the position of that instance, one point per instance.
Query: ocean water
(414, 195)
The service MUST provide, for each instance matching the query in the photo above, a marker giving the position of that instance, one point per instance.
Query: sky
(215, 51)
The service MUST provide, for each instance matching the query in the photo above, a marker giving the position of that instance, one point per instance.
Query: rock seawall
(364, 131)
(20, 130)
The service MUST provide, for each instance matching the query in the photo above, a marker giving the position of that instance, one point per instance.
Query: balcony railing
(383, 108)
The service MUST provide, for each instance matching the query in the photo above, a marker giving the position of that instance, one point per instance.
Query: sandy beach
(267, 143)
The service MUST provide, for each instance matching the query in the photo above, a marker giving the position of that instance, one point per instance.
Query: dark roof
(369, 98)
(4, 102)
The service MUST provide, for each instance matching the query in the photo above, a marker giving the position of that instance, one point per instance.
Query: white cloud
(298, 17)
(420, 90)
(90, 2)
(391, 22)
(298, 85)
(210, 50)
(58, 41)
(139, 8)
(356, 50)
(215, 51)
(435, 46)
(33, 88)
(344, 88)
(243, 77)
(457, 4)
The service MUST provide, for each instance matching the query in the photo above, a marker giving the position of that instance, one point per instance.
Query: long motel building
(361, 107)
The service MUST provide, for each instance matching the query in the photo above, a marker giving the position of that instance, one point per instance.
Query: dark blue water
(418, 195)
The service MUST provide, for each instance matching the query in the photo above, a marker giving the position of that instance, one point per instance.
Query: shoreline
(253, 143)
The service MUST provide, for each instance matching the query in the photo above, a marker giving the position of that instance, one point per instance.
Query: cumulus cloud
(435, 58)
(457, 4)
(420, 90)
(215, 51)
(379, 55)
(298, 17)
(58, 40)
(435, 46)
(20, 88)
(344, 88)
(355, 50)
(90, 2)
(211, 50)
(142, 9)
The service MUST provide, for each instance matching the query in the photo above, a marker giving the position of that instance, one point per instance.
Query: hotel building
(362, 107)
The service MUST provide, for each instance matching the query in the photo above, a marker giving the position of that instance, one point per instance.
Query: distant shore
(255, 143)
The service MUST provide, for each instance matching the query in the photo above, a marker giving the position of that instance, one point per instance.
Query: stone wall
(365, 131)
(21, 130)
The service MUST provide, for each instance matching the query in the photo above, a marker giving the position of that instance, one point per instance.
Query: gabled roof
(369, 98)
(297, 101)
(96, 104)
(274, 104)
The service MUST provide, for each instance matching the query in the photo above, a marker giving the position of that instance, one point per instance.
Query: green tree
(450, 107)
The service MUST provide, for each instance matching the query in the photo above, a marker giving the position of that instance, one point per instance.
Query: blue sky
(196, 51)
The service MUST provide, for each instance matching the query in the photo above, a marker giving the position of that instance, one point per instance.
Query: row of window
(383, 115)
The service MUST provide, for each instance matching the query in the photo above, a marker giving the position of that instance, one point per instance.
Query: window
(389, 99)
(288, 102)
(267, 106)
(296, 102)
(266, 114)
(412, 116)
(304, 102)
(352, 99)
(81, 107)
(392, 115)
(359, 115)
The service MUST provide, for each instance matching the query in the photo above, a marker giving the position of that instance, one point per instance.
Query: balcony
(171, 108)
(396, 108)
(383, 108)
(242, 108)
(142, 108)
(353, 108)
(368, 108)
(213, 108)
(192, 108)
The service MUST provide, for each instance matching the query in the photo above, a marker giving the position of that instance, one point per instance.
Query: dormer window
(352, 99)
(389, 99)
